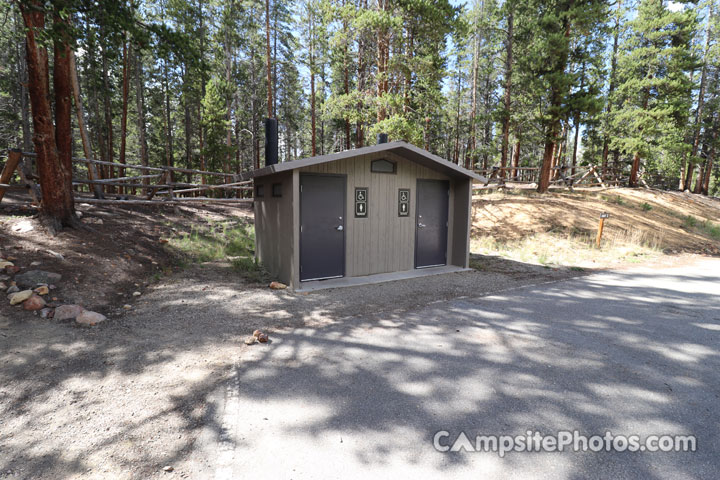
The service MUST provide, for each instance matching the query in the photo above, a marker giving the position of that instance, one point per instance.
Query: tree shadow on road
(383, 367)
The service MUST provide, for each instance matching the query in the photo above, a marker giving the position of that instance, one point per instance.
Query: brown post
(14, 157)
(601, 226)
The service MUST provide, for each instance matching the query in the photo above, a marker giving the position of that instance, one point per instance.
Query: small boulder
(34, 264)
(67, 312)
(4, 263)
(47, 313)
(262, 338)
(257, 333)
(36, 277)
(90, 318)
(42, 290)
(12, 289)
(33, 303)
(20, 297)
(136, 294)
(250, 340)
(277, 286)
(12, 270)
(3, 286)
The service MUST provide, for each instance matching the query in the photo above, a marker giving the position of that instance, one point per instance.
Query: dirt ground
(119, 251)
(661, 219)
(128, 397)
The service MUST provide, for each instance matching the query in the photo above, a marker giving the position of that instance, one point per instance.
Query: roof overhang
(403, 149)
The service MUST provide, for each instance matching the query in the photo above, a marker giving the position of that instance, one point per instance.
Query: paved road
(632, 352)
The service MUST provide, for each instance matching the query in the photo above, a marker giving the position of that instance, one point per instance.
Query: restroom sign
(361, 194)
(404, 202)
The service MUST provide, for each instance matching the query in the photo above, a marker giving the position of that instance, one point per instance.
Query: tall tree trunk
(313, 139)
(516, 159)
(23, 92)
(611, 88)
(62, 87)
(187, 121)
(267, 60)
(169, 158)
(710, 156)
(700, 102)
(203, 82)
(140, 101)
(123, 117)
(383, 56)
(346, 78)
(228, 102)
(108, 117)
(508, 90)
(57, 205)
(576, 124)
(633, 180)
(361, 71)
(84, 135)
(472, 137)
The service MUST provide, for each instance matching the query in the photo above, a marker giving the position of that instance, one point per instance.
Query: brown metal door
(431, 223)
(322, 226)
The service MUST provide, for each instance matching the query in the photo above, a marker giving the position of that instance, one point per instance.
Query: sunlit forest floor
(560, 229)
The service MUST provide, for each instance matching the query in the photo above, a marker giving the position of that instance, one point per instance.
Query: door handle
(339, 228)
(421, 225)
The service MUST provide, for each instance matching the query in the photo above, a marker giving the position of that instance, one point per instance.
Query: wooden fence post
(14, 157)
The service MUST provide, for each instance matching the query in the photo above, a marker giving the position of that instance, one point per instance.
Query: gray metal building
(390, 207)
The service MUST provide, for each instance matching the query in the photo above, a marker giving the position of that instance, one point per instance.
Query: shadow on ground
(380, 367)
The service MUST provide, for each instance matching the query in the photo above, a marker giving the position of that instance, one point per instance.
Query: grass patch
(705, 227)
(711, 229)
(690, 222)
(232, 241)
(572, 250)
(251, 270)
(646, 207)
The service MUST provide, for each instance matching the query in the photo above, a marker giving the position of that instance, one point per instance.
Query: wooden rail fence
(560, 176)
(155, 184)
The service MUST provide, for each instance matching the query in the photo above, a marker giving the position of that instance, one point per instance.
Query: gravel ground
(129, 397)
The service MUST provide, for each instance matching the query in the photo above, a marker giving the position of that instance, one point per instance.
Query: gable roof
(403, 149)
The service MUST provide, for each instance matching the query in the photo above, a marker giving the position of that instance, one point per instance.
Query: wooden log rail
(160, 177)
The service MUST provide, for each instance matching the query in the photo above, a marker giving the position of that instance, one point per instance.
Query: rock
(257, 333)
(42, 290)
(4, 263)
(262, 338)
(68, 312)
(168, 468)
(12, 270)
(56, 255)
(22, 226)
(136, 294)
(12, 289)
(127, 307)
(47, 313)
(34, 264)
(3, 286)
(33, 303)
(4, 278)
(20, 297)
(89, 318)
(277, 286)
(250, 340)
(35, 277)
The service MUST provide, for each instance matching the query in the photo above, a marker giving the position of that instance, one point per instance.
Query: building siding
(274, 237)
(383, 242)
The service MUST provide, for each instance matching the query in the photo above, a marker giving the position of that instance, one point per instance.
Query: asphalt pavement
(631, 352)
